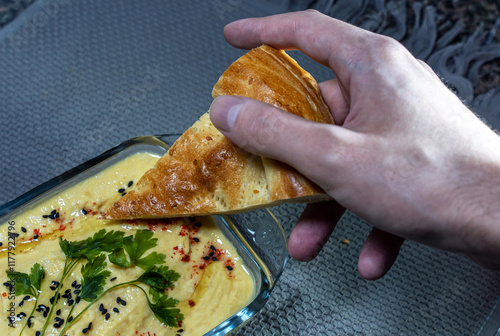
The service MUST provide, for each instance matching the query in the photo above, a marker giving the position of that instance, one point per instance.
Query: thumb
(262, 129)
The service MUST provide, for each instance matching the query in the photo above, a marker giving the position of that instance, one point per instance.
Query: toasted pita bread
(205, 173)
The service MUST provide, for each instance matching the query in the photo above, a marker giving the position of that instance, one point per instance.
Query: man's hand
(405, 154)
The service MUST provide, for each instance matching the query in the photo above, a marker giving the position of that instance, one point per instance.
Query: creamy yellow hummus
(214, 282)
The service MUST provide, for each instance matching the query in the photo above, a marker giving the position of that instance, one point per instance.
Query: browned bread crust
(205, 173)
(270, 75)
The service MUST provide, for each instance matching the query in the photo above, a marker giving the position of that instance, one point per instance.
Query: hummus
(214, 283)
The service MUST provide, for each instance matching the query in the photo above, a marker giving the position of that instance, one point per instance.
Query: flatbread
(205, 173)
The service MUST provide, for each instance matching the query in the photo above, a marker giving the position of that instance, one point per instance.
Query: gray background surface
(78, 77)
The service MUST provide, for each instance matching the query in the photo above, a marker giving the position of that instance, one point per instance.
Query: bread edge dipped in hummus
(205, 173)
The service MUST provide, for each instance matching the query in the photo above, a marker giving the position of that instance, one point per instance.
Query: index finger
(328, 41)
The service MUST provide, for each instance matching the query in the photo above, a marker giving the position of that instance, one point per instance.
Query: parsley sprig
(135, 247)
(90, 248)
(122, 251)
(28, 284)
(158, 278)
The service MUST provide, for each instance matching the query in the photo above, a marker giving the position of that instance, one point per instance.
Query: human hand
(405, 154)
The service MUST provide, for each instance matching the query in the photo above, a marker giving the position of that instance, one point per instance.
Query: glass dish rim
(235, 321)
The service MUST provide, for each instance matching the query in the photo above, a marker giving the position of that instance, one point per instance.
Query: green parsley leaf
(156, 294)
(159, 278)
(36, 276)
(142, 241)
(91, 247)
(94, 278)
(154, 258)
(136, 246)
(165, 311)
(119, 258)
(22, 283)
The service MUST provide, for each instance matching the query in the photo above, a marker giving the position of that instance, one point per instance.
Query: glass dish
(257, 235)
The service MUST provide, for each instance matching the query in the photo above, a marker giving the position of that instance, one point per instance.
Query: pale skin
(405, 154)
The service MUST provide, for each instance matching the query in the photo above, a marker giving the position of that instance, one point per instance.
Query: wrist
(476, 209)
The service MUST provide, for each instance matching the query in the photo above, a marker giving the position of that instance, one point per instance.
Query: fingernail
(224, 111)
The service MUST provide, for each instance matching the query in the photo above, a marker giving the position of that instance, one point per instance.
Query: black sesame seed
(105, 311)
(27, 297)
(21, 303)
(52, 300)
(123, 303)
(215, 259)
(67, 291)
(211, 254)
(70, 302)
(46, 216)
(76, 291)
(116, 310)
(1, 243)
(85, 330)
(101, 307)
(84, 211)
(53, 288)
(37, 333)
(90, 325)
(229, 268)
(107, 316)
(70, 319)
(78, 286)
(57, 325)
(29, 321)
(57, 319)
(130, 183)
(113, 279)
(24, 229)
(212, 248)
(53, 212)
(196, 239)
(197, 224)
(180, 330)
(57, 215)
(45, 314)
(35, 236)
(47, 309)
(78, 299)
(118, 299)
(122, 190)
(58, 312)
(206, 258)
(73, 284)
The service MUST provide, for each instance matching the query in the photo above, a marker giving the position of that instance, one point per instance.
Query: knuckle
(313, 12)
(387, 48)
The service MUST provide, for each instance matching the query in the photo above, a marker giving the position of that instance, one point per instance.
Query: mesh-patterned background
(77, 77)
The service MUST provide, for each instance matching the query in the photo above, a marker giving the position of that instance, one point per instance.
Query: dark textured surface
(77, 77)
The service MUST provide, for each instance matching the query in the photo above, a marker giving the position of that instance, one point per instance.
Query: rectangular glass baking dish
(257, 235)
